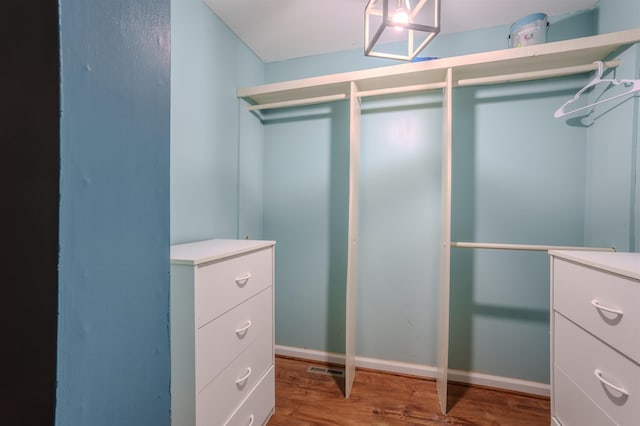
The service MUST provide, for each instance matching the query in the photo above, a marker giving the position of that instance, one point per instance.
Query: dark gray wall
(29, 172)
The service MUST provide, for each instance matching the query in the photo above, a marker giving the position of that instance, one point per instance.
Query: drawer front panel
(220, 341)
(587, 296)
(258, 407)
(580, 356)
(221, 398)
(573, 407)
(222, 285)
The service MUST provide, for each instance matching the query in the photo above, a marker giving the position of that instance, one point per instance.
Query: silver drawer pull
(604, 381)
(598, 306)
(244, 378)
(242, 279)
(250, 420)
(244, 328)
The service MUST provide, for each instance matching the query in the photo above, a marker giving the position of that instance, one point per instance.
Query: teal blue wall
(519, 177)
(113, 329)
(216, 145)
(305, 205)
(613, 187)
(399, 228)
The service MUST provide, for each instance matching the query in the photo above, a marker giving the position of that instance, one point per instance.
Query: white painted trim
(353, 240)
(397, 367)
(310, 354)
(499, 382)
(418, 370)
(444, 278)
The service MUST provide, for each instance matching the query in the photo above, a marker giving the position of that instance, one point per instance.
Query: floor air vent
(328, 371)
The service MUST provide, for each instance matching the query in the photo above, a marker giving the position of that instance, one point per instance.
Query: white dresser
(222, 347)
(595, 338)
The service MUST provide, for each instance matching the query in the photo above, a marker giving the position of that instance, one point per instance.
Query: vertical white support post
(352, 251)
(445, 246)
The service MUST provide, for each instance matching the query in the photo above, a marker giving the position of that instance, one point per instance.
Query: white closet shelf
(501, 66)
(524, 63)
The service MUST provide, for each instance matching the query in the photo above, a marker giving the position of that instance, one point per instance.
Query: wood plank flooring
(382, 399)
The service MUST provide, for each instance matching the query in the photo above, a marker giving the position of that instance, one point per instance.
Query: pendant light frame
(379, 28)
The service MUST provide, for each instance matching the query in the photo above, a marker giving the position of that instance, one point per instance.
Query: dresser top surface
(622, 263)
(199, 252)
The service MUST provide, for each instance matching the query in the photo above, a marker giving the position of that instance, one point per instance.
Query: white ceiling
(283, 29)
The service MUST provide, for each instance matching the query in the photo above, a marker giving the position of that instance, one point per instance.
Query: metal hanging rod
(528, 247)
(298, 102)
(403, 89)
(534, 75)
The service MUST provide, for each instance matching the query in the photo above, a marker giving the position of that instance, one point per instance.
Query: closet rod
(533, 75)
(403, 89)
(298, 102)
(529, 247)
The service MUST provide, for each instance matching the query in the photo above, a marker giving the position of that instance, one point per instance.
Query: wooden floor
(304, 398)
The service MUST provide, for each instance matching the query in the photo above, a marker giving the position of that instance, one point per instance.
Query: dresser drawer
(587, 295)
(258, 407)
(581, 356)
(220, 286)
(219, 399)
(220, 341)
(573, 407)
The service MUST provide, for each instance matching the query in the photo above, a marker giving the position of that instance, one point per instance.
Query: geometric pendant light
(399, 29)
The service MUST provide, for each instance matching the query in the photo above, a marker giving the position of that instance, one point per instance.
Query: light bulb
(401, 16)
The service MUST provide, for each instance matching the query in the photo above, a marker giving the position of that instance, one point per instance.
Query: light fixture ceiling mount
(399, 29)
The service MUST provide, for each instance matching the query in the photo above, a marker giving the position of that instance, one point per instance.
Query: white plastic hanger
(634, 86)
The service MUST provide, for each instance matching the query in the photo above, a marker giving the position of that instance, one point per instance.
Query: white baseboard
(499, 382)
(419, 370)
